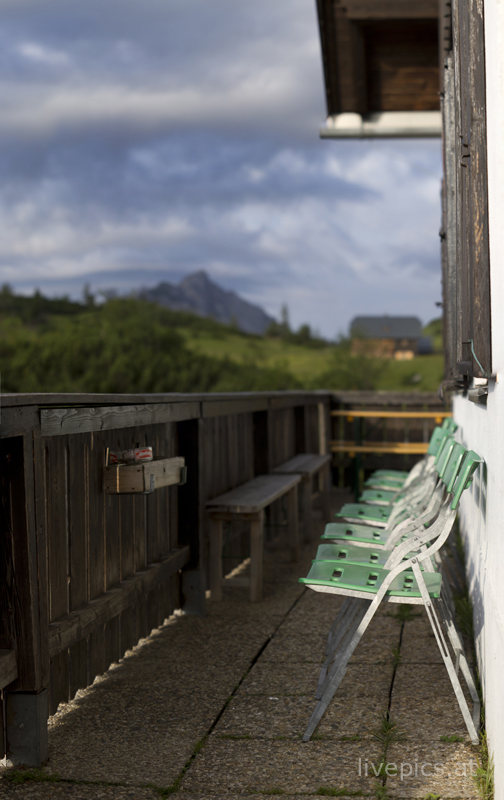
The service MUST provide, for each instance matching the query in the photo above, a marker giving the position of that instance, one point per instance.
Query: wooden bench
(308, 465)
(247, 502)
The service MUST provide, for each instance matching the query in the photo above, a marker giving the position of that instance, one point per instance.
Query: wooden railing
(86, 574)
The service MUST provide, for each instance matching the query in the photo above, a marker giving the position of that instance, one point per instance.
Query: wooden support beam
(70, 629)
(59, 421)
(352, 413)
(400, 448)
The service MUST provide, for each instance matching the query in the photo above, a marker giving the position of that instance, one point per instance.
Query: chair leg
(347, 602)
(216, 558)
(461, 658)
(443, 649)
(256, 558)
(339, 669)
(334, 637)
(292, 500)
(349, 624)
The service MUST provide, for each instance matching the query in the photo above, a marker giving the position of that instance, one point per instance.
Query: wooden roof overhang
(381, 66)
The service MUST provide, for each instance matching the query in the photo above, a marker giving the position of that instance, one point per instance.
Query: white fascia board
(386, 125)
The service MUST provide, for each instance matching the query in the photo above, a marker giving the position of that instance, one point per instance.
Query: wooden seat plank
(253, 496)
(304, 463)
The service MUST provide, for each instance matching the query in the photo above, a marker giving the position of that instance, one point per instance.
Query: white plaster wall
(482, 429)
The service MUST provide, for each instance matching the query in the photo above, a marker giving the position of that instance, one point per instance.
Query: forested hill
(130, 345)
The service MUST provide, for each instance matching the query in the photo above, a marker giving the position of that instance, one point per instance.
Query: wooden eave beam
(391, 9)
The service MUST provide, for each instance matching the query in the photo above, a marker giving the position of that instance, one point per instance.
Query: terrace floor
(215, 707)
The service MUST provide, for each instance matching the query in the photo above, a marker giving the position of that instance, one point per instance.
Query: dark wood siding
(380, 55)
(402, 65)
(466, 270)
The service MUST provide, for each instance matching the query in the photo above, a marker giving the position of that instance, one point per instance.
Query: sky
(140, 142)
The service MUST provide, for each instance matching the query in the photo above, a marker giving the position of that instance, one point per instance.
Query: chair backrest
(449, 424)
(437, 439)
(452, 467)
(465, 474)
(444, 454)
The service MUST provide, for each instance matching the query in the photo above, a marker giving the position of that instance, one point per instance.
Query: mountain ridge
(199, 294)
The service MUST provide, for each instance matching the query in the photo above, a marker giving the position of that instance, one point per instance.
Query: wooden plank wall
(226, 460)
(402, 65)
(311, 429)
(95, 541)
(281, 435)
(471, 191)
(93, 572)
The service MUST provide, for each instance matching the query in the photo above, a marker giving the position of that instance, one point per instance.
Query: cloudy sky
(140, 142)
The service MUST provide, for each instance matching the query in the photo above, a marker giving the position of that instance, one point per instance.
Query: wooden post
(191, 517)
(326, 492)
(307, 507)
(292, 500)
(322, 427)
(256, 557)
(28, 743)
(216, 558)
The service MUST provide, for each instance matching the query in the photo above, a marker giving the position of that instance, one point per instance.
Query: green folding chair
(373, 553)
(407, 576)
(393, 479)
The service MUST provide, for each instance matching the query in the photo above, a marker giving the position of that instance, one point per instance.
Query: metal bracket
(183, 476)
(478, 395)
(152, 485)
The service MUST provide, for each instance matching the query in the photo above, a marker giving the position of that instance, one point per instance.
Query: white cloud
(42, 55)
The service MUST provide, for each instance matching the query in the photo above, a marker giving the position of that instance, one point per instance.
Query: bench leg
(216, 558)
(307, 508)
(256, 558)
(292, 499)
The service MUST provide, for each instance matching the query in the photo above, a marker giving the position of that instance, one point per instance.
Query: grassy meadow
(130, 345)
(318, 367)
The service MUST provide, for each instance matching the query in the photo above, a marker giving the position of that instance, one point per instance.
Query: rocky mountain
(199, 294)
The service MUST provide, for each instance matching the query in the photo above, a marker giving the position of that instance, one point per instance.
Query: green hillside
(129, 345)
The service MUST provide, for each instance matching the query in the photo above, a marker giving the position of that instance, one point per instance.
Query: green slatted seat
(352, 554)
(329, 575)
(350, 532)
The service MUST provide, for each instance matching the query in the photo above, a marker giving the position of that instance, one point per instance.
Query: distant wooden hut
(386, 337)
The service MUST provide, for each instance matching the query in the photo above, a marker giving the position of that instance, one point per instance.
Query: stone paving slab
(242, 766)
(446, 770)
(266, 677)
(428, 720)
(274, 717)
(423, 681)
(31, 790)
(219, 796)
(376, 645)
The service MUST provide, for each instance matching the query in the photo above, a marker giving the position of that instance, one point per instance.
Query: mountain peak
(199, 294)
(200, 278)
